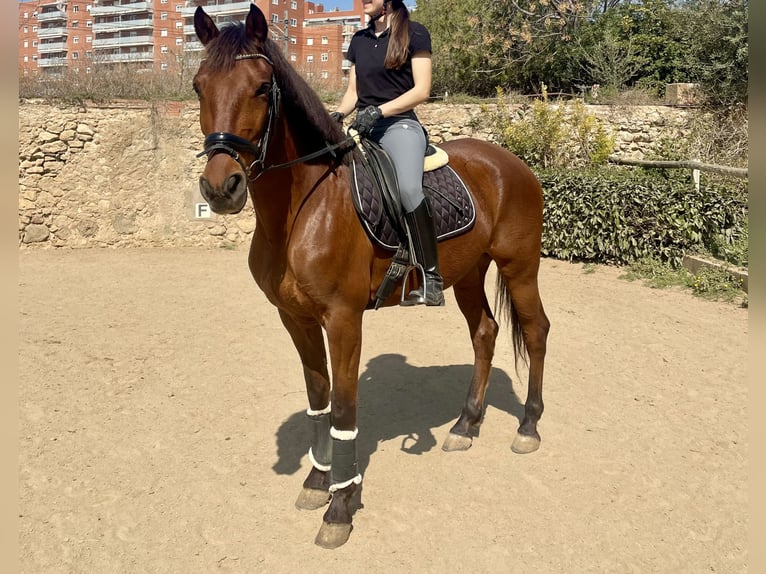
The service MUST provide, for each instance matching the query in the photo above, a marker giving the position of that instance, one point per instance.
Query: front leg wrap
(320, 451)
(344, 467)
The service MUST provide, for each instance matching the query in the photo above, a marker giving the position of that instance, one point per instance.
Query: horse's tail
(505, 310)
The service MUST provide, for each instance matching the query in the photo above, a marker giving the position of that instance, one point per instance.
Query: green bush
(617, 215)
(552, 136)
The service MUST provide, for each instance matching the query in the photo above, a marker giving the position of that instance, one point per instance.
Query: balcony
(133, 8)
(50, 62)
(57, 32)
(124, 57)
(101, 43)
(192, 46)
(52, 47)
(104, 27)
(51, 16)
(233, 8)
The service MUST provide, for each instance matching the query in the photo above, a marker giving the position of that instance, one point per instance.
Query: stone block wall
(125, 175)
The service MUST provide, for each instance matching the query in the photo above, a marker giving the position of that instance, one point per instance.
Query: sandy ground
(162, 429)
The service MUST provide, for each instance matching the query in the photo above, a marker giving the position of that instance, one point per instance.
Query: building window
(75, 8)
(75, 24)
(75, 55)
(89, 24)
(309, 41)
(89, 55)
(275, 2)
(26, 58)
(179, 41)
(292, 58)
(164, 66)
(274, 18)
(76, 40)
(310, 58)
(26, 43)
(178, 7)
(325, 74)
(164, 33)
(163, 49)
(179, 24)
(324, 57)
(88, 39)
(34, 43)
(293, 22)
(293, 5)
(325, 40)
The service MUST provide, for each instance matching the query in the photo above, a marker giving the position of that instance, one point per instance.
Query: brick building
(58, 36)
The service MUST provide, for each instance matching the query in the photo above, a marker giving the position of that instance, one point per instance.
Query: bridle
(234, 145)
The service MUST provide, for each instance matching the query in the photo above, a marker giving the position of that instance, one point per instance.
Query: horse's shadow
(400, 400)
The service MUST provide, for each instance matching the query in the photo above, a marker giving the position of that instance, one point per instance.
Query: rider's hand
(337, 116)
(366, 118)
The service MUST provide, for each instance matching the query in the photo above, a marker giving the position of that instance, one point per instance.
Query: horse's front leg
(344, 336)
(309, 342)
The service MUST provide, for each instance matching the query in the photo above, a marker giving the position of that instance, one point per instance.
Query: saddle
(376, 197)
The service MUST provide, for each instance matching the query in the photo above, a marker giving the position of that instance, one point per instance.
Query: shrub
(616, 215)
(551, 136)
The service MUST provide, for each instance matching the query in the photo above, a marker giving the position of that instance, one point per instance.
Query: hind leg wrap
(344, 466)
(320, 451)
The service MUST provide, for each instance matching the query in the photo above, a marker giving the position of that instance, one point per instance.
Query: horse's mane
(309, 121)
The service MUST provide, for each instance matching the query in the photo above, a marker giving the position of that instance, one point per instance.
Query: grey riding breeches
(405, 142)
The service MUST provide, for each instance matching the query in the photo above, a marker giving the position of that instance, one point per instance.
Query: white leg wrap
(343, 434)
(338, 485)
(322, 467)
(324, 411)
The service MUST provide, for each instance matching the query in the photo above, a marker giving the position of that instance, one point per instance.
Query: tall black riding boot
(421, 225)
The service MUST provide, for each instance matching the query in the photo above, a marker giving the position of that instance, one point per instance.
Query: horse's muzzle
(226, 194)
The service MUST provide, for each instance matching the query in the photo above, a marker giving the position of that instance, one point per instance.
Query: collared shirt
(376, 84)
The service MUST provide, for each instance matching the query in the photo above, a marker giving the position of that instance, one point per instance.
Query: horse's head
(238, 99)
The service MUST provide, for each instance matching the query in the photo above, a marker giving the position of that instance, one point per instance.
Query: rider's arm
(421, 74)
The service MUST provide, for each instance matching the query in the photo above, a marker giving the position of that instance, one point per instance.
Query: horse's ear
(256, 25)
(204, 26)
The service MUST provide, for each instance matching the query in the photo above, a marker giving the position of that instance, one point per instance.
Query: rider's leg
(405, 142)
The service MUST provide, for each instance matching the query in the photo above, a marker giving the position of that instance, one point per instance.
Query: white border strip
(343, 434)
(338, 485)
(322, 467)
(324, 411)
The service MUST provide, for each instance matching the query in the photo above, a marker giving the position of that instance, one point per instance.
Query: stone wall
(126, 175)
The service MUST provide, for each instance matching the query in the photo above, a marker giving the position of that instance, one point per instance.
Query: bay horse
(267, 133)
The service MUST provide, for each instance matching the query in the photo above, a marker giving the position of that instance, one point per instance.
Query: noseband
(233, 145)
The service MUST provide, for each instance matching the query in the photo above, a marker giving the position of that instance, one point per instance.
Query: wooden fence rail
(688, 164)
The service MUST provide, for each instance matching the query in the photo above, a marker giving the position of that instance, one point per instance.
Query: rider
(390, 75)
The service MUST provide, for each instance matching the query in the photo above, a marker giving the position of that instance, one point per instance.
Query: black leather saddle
(375, 192)
(376, 197)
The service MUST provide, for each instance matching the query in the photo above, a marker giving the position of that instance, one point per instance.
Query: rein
(234, 145)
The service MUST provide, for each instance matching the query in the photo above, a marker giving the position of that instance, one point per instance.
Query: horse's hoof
(332, 535)
(455, 442)
(524, 444)
(311, 499)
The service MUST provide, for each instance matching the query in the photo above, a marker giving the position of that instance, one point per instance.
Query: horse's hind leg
(309, 342)
(472, 300)
(530, 322)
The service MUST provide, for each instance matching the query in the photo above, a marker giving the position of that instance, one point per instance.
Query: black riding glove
(337, 116)
(366, 118)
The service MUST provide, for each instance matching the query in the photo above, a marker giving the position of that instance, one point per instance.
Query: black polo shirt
(375, 84)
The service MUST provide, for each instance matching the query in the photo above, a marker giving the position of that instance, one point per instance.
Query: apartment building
(158, 35)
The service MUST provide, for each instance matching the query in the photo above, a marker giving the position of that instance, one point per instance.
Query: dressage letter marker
(202, 211)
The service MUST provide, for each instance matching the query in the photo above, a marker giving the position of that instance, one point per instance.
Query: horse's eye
(195, 87)
(263, 89)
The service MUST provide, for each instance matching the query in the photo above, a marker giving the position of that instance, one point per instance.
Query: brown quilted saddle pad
(453, 207)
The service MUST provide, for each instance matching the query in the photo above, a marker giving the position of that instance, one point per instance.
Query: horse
(267, 134)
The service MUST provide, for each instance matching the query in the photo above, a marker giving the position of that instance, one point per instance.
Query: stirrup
(432, 285)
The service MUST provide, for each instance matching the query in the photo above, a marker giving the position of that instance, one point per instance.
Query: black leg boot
(421, 225)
